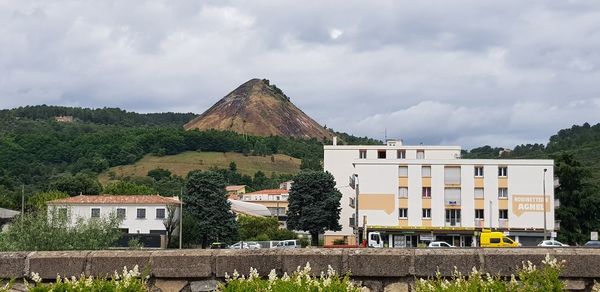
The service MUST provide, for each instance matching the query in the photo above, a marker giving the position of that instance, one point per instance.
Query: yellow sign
(529, 203)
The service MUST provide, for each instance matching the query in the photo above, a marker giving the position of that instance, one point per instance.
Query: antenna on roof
(385, 134)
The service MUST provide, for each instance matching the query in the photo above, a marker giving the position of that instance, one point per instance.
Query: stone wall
(378, 269)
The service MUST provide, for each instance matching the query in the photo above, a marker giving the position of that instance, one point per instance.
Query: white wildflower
(272, 276)
(253, 274)
(35, 277)
(235, 275)
(330, 271)
(285, 277)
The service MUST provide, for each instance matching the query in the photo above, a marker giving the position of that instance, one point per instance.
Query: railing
(479, 223)
(503, 223)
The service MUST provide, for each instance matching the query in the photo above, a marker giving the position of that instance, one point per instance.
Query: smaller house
(64, 119)
(6, 216)
(141, 214)
(286, 185)
(235, 192)
(276, 200)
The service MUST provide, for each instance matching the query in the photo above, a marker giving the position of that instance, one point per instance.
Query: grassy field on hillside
(183, 163)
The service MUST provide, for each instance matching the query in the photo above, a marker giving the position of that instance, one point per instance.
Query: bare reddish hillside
(257, 108)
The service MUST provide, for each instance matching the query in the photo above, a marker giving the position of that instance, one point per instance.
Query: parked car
(552, 243)
(253, 244)
(435, 244)
(218, 245)
(239, 245)
(288, 244)
(490, 238)
(592, 243)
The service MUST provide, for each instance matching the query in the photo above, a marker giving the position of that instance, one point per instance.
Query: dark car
(592, 243)
(218, 245)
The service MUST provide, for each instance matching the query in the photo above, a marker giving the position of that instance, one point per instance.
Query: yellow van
(496, 239)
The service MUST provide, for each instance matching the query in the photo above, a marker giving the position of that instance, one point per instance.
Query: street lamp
(544, 188)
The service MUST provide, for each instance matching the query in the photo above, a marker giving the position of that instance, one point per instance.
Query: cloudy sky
(466, 72)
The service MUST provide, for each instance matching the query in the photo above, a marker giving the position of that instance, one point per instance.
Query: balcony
(479, 223)
(503, 223)
(452, 223)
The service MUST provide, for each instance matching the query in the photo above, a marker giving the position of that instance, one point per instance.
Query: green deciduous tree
(579, 211)
(74, 185)
(128, 188)
(38, 201)
(206, 204)
(158, 174)
(41, 231)
(314, 204)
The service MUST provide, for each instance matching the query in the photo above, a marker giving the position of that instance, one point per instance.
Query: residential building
(235, 192)
(276, 200)
(64, 119)
(141, 214)
(286, 185)
(417, 194)
(6, 216)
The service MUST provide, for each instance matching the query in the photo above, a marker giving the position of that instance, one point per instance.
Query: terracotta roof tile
(117, 199)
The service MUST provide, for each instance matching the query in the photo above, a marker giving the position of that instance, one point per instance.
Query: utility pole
(180, 217)
(490, 215)
(544, 188)
(22, 201)
(356, 209)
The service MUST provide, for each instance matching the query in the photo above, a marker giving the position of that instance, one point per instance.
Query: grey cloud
(468, 72)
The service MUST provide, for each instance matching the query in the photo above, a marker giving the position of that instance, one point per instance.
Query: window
(403, 171)
(478, 171)
(502, 193)
(381, 154)
(502, 171)
(426, 192)
(402, 213)
(95, 212)
(121, 213)
(401, 154)
(362, 154)
(495, 240)
(351, 221)
(503, 214)
(479, 214)
(403, 192)
(426, 171)
(160, 213)
(453, 217)
(352, 203)
(452, 196)
(452, 175)
(427, 213)
(141, 213)
(420, 154)
(478, 192)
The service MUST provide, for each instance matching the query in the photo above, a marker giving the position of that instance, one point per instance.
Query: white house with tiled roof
(141, 214)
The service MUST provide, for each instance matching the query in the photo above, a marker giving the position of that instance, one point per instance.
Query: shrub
(300, 280)
(339, 241)
(128, 281)
(530, 279)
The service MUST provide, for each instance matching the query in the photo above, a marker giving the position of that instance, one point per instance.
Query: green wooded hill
(41, 154)
(582, 142)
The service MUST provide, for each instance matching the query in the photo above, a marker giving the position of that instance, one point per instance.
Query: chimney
(334, 140)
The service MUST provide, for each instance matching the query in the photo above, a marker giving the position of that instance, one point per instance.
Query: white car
(246, 245)
(442, 244)
(288, 244)
(552, 243)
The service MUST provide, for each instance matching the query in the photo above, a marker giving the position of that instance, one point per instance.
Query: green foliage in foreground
(301, 280)
(39, 231)
(128, 281)
(531, 279)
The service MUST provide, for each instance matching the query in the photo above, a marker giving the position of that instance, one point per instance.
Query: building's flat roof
(7, 213)
(386, 147)
(458, 161)
(250, 209)
(116, 200)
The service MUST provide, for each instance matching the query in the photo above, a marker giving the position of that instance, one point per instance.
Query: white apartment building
(276, 200)
(141, 214)
(417, 194)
